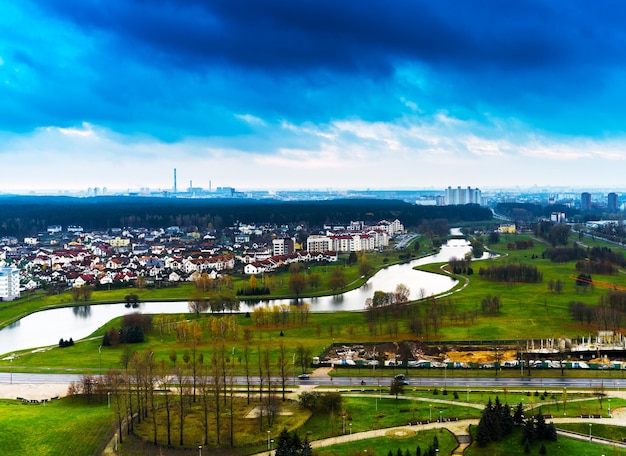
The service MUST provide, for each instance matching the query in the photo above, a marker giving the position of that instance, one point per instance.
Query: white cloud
(411, 152)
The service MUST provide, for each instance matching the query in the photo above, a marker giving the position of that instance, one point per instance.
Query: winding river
(46, 327)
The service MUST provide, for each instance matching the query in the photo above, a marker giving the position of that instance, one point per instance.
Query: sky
(311, 94)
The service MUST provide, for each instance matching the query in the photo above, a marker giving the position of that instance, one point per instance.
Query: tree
(397, 387)
(337, 280)
(297, 283)
(352, 258)
(365, 269)
(559, 234)
(303, 357)
(314, 280)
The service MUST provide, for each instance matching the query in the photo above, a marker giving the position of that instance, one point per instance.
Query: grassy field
(562, 447)
(68, 427)
(381, 446)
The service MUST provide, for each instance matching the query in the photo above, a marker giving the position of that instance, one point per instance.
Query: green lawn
(63, 427)
(382, 445)
(562, 447)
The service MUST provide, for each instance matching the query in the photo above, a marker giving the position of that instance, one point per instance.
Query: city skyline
(295, 95)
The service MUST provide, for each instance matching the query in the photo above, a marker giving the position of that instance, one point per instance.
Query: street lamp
(350, 424)
(100, 356)
(441, 416)
(11, 376)
(268, 440)
(430, 413)
(109, 398)
(609, 407)
(200, 450)
(590, 432)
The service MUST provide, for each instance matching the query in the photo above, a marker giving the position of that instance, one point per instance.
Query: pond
(46, 327)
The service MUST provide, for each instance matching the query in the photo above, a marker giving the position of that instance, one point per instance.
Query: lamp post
(109, 398)
(100, 356)
(116, 441)
(430, 412)
(268, 440)
(441, 416)
(11, 376)
(590, 432)
(350, 425)
(200, 450)
(609, 407)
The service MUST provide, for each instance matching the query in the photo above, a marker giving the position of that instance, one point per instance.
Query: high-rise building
(9, 284)
(454, 196)
(585, 201)
(612, 202)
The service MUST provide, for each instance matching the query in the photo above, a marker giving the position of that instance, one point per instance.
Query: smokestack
(174, 180)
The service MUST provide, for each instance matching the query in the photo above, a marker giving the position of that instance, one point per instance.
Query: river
(46, 327)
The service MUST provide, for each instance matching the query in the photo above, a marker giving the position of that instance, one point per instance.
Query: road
(454, 382)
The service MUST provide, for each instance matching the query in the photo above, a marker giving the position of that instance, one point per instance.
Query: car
(401, 379)
(303, 376)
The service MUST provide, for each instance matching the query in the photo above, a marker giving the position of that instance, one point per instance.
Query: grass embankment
(67, 426)
(604, 431)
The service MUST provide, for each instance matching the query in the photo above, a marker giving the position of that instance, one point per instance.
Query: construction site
(604, 350)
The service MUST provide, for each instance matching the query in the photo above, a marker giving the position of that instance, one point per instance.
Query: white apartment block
(319, 243)
(283, 246)
(456, 196)
(348, 242)
(9, 284)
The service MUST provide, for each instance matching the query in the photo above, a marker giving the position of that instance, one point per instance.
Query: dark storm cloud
(178, 68)
(350, 35)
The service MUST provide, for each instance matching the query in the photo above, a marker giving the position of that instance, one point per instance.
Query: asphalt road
(459, 383)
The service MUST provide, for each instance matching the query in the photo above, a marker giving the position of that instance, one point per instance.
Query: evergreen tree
(483, 436)
(529, 431)
(283, 444)
(418, 451)
(506, 420)
(306, 447)
(541, 428)
(518, 417)
(551, 435)
(543, 450)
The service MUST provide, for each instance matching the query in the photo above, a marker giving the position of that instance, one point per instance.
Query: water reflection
(82, 311)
